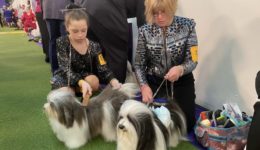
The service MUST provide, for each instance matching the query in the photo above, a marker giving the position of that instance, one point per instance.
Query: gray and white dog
(75, 124)
(139, 128)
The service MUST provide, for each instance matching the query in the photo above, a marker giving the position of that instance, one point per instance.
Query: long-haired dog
(75, 124)
(139, 128)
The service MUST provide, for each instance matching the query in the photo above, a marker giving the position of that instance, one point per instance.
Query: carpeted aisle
(24, 80)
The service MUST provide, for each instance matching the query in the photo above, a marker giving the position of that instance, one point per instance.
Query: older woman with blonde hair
(166, 55)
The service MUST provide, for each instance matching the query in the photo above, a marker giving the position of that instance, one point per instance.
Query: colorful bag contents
(204, 119)
(225, 129)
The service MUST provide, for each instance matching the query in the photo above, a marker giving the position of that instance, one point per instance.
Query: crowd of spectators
(26, 17)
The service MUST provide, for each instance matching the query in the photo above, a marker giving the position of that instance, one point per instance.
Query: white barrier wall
(229, 50)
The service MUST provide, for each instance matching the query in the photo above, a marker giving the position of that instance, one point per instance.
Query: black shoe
(47, 59)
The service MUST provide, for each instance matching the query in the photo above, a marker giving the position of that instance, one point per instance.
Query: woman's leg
(184, 93)
(44, 35)
(53, 26)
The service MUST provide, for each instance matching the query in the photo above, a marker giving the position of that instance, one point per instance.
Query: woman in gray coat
(54, 17)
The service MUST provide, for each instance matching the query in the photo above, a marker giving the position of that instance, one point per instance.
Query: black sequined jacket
(160, 49)
(79, 65)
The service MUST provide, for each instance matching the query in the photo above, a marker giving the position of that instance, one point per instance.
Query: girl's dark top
(81, 65)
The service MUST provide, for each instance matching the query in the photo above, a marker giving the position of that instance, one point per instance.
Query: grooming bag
(222, 137)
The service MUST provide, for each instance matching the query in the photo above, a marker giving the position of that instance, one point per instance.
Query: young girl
(77, 56)
(28, 21)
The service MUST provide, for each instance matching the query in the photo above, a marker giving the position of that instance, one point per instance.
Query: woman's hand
(174, 73)
(115, 84)
(147, 93)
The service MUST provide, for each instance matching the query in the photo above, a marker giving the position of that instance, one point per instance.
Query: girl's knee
(93, 82)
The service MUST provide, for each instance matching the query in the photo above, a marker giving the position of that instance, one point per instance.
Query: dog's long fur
(178, 127)
(75, 124)
(139, 128)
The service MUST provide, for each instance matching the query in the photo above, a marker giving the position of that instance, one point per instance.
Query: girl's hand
(85, 88)
(174, 73)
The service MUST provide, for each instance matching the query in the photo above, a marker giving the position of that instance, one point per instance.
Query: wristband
(80, 82)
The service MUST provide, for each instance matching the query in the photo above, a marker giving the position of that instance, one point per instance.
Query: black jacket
(109, 26)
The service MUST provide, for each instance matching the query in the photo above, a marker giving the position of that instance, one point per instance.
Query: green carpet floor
(24, 80)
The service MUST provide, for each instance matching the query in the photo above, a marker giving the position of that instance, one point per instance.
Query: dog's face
(129, 115)
(50, 110)
(67, 118)
(126, 134)
(135, 126)
(125, 127)
(64, 107)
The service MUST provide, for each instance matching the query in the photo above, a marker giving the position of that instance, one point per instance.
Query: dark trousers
(257, 84)
(44, 33)
(130, 43)
(114, 46)
(1, 22)
(115, 51)
(56, 29)
(183, 93)
(254, 131)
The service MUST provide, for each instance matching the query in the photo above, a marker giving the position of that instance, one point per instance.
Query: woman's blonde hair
(153, 6)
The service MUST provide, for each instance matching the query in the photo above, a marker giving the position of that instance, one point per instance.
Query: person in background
(77, 56)
(37, 8)
(254, 131)
(109, 26)
(1, 20)
(14, 18)
(52, 14)
(8, 16)
(20, 11)
(167, 54)
(28, 21)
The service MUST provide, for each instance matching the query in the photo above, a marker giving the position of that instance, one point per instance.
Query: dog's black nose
(120, 126)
